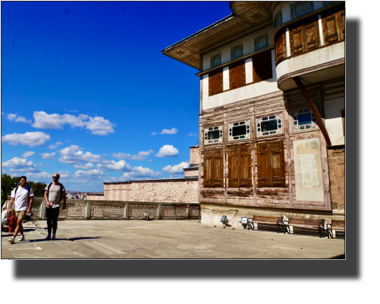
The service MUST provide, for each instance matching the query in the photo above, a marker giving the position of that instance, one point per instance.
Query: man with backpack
(54, 194)
(22, 197)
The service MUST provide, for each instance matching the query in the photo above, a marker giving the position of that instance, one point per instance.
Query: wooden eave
(247, 16)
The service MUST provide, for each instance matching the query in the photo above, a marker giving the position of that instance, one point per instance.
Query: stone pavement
(163, 239)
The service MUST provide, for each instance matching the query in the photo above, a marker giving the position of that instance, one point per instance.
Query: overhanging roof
(246, 15)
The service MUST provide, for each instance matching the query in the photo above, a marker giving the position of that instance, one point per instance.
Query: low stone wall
(95, 197)
(92, 210)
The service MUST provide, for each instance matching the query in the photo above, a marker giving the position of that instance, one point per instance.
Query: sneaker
(21, 238)
(53, 237)
(11, 240)
(48, 237)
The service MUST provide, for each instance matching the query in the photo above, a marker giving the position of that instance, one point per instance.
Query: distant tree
(7, 182)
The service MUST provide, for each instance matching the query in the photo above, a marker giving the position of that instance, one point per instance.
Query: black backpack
(60, 189)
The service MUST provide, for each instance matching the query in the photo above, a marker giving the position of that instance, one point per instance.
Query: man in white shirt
(54, 194)
(22, 197)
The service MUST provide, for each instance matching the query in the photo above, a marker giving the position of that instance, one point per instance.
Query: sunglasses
(54, 176)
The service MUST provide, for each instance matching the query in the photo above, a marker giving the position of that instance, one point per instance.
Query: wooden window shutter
(207, 170)
(342, 24)
(262, 65)
(311, 36)
(263, 165)
(330, 30)
(297, 40)
(233, 167)
(215, 83)
(277, 164)
(217, 168)
(281, 48)
(237, 75)
(245, 166)
(233, 82)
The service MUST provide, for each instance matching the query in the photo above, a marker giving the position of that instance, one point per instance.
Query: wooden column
(314, 109)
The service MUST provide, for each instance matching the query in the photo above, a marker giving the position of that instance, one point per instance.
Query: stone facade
(183, 190)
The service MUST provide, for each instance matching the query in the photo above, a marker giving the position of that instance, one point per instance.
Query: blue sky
(86, 91)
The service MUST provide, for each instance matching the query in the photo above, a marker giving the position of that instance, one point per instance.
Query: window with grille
(261, 42)
(236, 52)
(215, 60)
(301, 8)
(278, 19)
(213, 135)
(304, 119)
(269, 125)
(238, 130)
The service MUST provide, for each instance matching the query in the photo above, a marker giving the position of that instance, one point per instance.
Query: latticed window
(236, 52)
(215, 60)
(269, 125)
(238, 130)
(213, 168)
(213, 135)
(304, 119)
(261, 42)
(301, 8)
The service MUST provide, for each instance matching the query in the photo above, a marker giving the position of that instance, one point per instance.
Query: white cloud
(85, 167)
(111, 179)
(194, 135)
(145, 153)
(176, 169)
(26, 154)
(42, 165)
(64, 174)
(97, 125)
(20, 164)
(16, 118)
(55, 145)
(73, 155)
(120, 166)
(139, 173)
(31, 139)
(92, 173)
(171, 131)
(153, 133)
(39, 177)
(167, 151)
(48, 155)
(140, 156)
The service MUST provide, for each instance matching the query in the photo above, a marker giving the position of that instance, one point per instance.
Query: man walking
(54, 193)
(22, 197)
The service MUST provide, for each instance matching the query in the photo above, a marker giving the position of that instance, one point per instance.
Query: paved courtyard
(163, 239)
